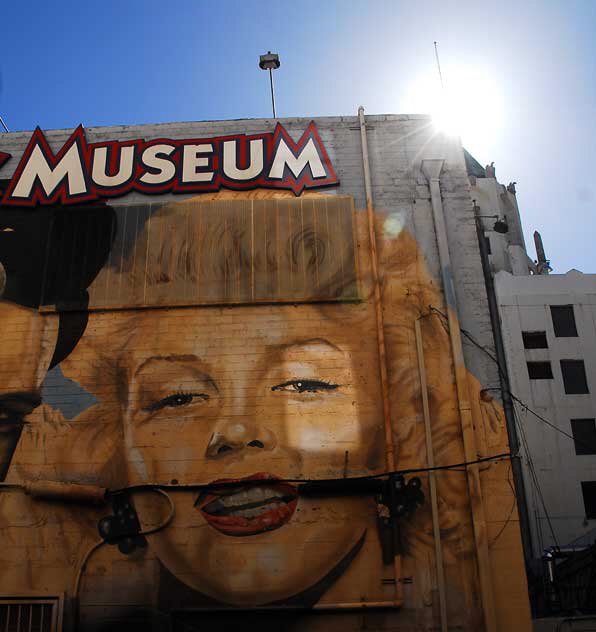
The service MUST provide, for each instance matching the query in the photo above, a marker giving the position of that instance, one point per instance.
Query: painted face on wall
(250, 394)
(24, 356)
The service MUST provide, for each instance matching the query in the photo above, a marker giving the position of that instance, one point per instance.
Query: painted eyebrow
(322, 342)
(180, 359)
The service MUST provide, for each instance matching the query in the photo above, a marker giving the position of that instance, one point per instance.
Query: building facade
(232, 360)
(549, 329)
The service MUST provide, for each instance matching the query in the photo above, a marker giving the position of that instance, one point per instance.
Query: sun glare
(469, 105)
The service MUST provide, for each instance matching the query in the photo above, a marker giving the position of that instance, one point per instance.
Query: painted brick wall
(108, 413)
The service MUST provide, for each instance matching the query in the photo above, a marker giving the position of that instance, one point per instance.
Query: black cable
(533, 475)
(508, 520)
(546, 421)
(531, 467)
(298, 481)
(471, 338)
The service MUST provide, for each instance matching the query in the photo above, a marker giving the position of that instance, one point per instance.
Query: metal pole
(4, 125)
(516, 466)
(439, 66)
(382, 351)
(272, 92)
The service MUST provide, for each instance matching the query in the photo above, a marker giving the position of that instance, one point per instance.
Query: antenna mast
(439, 66)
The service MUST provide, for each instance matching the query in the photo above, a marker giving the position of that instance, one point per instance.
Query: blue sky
(108, 63)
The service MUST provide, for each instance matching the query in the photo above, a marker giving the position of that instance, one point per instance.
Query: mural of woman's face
(250, 393)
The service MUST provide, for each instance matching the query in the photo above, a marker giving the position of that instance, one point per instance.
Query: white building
(548, 324)
(549, 331)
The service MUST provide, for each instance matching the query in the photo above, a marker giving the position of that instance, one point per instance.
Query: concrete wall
(524, 304)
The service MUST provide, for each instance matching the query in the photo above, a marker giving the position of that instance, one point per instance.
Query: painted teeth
(253, 512)
(248, 502)
(249, 495)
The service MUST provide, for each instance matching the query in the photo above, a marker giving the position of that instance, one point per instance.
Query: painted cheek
(324, 428)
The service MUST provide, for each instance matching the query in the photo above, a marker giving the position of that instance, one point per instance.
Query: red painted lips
(249, 509)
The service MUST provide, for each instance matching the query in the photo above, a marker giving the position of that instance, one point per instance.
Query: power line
(234, 484)
(508, 520)
(533, 475)
(477, 344)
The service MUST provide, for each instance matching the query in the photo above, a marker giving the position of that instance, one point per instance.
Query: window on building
(534, 340)
(574, 377)
(589, 494)
(540, 371)
(563, 321)
(584, 435)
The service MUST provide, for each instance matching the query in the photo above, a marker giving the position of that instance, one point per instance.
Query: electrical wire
(86, 558)
(471, 338)
(97, 545)
(519, 425)
(532, 471)
(508, 519)
(234, 484)
(552, 425)
(168, 520)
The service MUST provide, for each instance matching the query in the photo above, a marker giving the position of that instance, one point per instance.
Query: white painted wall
(524, 304)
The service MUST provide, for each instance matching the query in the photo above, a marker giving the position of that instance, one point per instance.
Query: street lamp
(270, 62)
(500, 226)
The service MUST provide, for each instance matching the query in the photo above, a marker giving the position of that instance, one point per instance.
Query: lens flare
(469, 104)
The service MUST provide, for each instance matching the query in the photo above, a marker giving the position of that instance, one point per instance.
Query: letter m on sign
(44, 178)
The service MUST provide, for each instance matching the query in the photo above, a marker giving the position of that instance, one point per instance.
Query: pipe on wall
(382, 350)
(432, 482)
(432, 172)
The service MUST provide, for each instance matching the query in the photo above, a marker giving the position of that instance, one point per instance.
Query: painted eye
(176, 400)
(304, 386)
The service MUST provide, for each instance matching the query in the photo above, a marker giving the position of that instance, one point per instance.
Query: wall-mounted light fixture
(500, 226)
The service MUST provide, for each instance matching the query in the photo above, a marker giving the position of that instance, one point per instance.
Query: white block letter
(166, 167)
(308, 156)
(191, 160)
(69, 167)
(256, 160)
(98, 171)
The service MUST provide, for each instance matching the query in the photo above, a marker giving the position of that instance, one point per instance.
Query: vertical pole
(272, 92)
(432, 483)
(389, 444)
(516, 466)
(432, 171)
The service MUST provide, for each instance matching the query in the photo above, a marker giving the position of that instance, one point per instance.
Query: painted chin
(249, 509)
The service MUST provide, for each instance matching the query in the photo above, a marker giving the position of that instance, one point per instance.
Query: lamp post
(270, 62)
(500, 226)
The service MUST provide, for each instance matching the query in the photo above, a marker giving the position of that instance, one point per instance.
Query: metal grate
(30, 614)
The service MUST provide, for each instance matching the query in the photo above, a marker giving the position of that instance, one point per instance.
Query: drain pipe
(432, 481)
(382, 352)
(432, 171)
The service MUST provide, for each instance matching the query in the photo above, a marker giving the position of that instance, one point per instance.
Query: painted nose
(236, 437)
